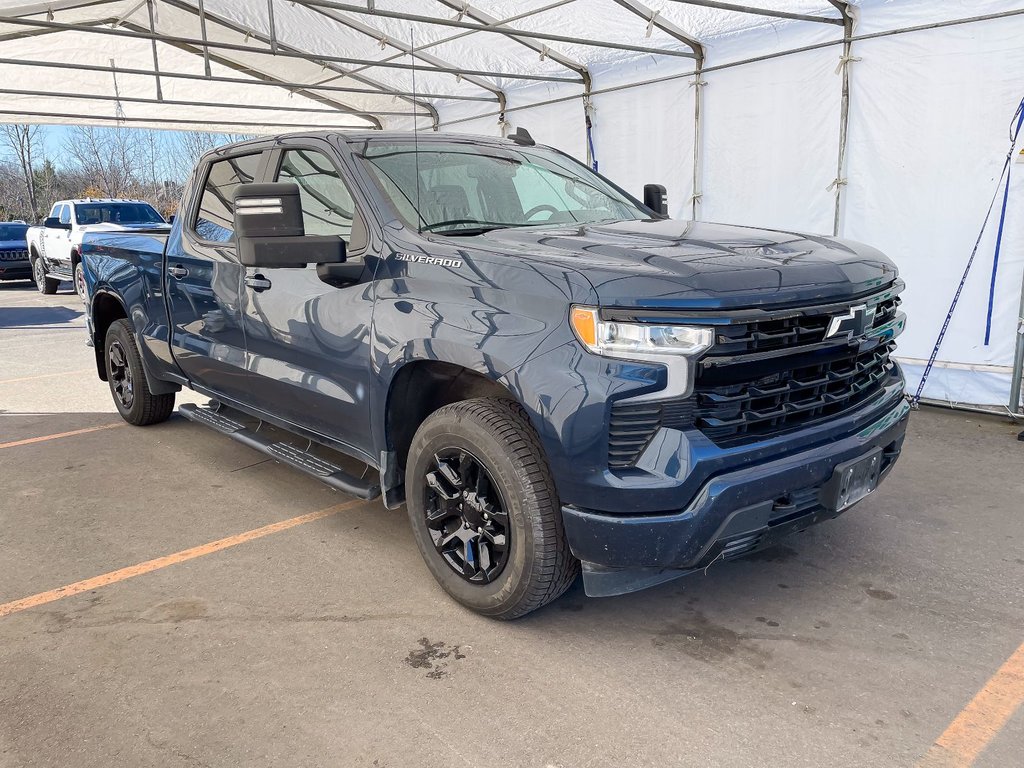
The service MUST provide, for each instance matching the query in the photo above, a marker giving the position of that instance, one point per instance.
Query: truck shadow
(35, 317)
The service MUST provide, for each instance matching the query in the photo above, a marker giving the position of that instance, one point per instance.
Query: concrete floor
(855, 644)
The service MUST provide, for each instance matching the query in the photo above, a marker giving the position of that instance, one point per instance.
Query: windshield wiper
(481, 227)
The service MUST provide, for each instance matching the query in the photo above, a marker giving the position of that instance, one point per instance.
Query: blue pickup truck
(551, 375)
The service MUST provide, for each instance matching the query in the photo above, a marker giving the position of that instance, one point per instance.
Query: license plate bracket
(852, 481)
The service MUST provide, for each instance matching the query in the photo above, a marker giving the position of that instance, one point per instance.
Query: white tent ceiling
(772, 141)
(266, 65)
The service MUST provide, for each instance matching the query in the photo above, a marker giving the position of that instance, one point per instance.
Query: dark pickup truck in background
(546, 371)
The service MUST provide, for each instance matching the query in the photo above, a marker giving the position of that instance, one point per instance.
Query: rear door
(204, 278)
(308, 340)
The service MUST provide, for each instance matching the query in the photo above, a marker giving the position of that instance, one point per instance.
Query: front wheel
(46, 285)
(484, 510)
(127, 379)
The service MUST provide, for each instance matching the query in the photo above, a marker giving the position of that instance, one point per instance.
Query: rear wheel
(484, 510)
(127, 379)
(45, 284)
(80, 281)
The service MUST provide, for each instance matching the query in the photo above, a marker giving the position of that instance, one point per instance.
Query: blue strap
(1014, 133)
(590, 143)
(1018, 117)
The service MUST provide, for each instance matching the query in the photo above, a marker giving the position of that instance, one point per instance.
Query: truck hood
(677, 265)
(110, 227)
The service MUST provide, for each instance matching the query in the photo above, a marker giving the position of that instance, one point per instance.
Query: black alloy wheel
(119, 374)
(466, 517)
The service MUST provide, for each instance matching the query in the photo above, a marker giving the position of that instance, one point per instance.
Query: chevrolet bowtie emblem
(854, 323)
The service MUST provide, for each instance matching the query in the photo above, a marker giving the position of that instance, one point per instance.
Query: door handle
(177, 271)
(258, 283)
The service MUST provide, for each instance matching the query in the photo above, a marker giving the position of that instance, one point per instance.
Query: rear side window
(214, 220)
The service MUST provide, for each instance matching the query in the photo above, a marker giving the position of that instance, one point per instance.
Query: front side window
(456, 188)
(65, 215)
(215, 217)
(327, 205)
(117, 213)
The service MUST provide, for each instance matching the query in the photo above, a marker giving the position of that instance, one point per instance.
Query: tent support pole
(202, 34)
(1018, 359)
(273, 29)
(844, 112)
(156, 58)
(698, 139)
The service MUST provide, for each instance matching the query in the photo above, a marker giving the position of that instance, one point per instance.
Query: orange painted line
(45, 376)
(33, 601)
(59, 435)
(982, 719)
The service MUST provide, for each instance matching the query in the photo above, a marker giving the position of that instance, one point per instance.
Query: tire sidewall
(79, 278)
(118, 332)
(38, 274)
(520, 504)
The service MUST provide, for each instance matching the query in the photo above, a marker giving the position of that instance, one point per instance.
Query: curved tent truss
(742, 107)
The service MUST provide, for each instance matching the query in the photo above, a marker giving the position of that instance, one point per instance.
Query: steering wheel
(540, 209)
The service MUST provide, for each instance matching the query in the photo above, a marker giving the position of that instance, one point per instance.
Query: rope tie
(836, 184)
(696, 197)
(698, 83)
(650, 24)
(543, 52)
(845, 61)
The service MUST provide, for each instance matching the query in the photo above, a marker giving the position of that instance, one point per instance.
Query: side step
(311, 464)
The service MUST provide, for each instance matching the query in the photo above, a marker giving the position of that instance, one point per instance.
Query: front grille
(770, 373)
(777, 402)
(14, 255)
(633, 425)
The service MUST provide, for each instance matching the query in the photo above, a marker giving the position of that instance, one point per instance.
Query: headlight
(637, 340)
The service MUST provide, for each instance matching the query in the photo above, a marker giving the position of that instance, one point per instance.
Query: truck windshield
(13, 231)
(468, 189)
(116, 213)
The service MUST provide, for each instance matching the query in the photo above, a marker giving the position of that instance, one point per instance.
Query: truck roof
(99, 200)
(353, 137)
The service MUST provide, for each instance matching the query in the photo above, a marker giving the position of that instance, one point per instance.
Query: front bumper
(732, 514)
(15, 270)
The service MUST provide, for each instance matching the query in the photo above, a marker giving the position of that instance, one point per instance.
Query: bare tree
(24, 142)
(110, 158)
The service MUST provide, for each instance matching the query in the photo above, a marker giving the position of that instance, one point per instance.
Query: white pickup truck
(54, 249)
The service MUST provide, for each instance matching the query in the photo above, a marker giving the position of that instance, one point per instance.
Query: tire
(46, 285)
(493, 435)
(127, 379)
(79, 280)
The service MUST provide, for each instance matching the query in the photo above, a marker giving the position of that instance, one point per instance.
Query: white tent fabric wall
(928, 117)
(928, 120)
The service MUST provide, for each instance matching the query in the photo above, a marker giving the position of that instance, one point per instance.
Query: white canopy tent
(879, 120)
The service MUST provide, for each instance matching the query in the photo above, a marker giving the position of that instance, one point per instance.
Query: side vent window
(214, 219)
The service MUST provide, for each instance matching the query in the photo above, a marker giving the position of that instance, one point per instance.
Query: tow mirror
(269, 231)
(52, 222)
(656, 198)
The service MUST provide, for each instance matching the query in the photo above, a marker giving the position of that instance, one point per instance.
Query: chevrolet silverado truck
(551, 375)
(55, 248)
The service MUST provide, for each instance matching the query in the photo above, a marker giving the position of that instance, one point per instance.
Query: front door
(203, 282)
(57, 242)
(308, 340)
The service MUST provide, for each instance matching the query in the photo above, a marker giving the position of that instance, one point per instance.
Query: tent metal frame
(469, 21)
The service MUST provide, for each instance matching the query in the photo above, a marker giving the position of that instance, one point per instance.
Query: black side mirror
(270, 233)
(656, 198)
(52, 222)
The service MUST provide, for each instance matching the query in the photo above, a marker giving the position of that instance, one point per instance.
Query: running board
(317, 466)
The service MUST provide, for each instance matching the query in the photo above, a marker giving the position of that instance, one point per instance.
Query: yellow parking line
(45, 376)
(982, 719)
(15, 606)
(44, 438)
